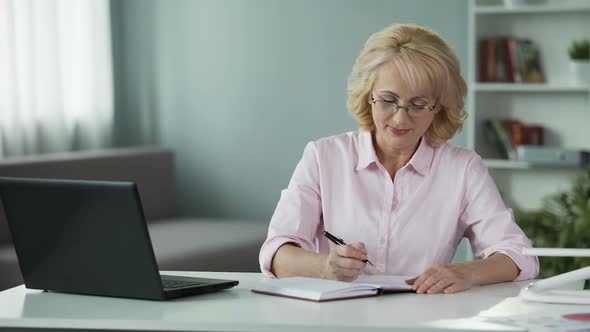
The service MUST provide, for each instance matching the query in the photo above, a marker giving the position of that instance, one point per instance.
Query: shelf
(515, 164)
(553, 25)
(506, 164)
(528, 87)
(531, 9)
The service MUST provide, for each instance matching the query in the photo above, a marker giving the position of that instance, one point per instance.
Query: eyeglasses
(392, 107)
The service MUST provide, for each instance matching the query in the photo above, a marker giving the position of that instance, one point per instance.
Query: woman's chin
(390, 141)
(405, 139)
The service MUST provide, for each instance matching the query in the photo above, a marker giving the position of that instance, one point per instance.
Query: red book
(534, 135)
(491, 60)
(510, 58)
(516, 132)
(513, 59)
(483, 59)
(501, 51)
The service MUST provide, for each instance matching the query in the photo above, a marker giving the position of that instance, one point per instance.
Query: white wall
(238, 87)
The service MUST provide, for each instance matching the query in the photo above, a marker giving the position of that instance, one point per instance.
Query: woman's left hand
(444, 278)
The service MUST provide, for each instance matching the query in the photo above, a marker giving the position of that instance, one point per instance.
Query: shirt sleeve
(298, 212)
(490, 225)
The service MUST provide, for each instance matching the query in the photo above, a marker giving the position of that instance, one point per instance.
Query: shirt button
(394, 203)
(382, 241)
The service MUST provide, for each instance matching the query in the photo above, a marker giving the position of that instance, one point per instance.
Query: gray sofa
(196, 244)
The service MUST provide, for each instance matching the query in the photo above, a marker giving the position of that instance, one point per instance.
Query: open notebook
(320, 290)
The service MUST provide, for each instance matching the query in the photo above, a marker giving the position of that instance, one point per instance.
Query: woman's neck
(393, 159)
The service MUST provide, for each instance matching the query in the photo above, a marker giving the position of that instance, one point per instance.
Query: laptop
(89, 237)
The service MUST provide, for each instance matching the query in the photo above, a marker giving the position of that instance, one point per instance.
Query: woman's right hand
(344, 262)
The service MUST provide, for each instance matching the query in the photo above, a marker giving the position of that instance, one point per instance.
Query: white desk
(239, 309)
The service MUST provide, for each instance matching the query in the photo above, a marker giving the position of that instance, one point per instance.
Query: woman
(396, 187)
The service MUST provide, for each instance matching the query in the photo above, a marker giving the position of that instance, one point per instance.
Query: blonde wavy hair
(425, 61)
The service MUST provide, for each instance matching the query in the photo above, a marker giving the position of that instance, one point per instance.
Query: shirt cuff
(268, 251)
(528, 265)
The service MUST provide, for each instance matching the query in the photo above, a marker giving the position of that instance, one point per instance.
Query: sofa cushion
(208, 244)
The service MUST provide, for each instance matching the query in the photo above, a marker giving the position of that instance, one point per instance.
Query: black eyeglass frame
(408, 107)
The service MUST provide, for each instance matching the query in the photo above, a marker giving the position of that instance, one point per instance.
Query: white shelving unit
(520, 165)
(560, 106)
(535, 8)
(520, 87)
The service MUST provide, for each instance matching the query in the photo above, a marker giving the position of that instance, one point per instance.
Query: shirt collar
(366, 150)
(421, 161)
(422, 158)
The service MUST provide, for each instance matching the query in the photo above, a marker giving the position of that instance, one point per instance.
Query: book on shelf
(509, 59)
(512, 67)
(529, 62)
(321, 290)
(487, 60)
(497, 136)
(515, 131)
(533, 135)
(515, 140)
(552, 156)
(508, 134)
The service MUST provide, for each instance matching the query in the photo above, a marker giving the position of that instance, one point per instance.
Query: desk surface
(239, 309)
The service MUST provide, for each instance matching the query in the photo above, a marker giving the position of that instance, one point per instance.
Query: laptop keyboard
(172, 284)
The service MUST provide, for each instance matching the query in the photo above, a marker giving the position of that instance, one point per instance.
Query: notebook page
(314, 289)
(385, 282)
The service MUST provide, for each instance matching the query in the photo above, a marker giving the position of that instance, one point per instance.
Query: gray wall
(237, 88)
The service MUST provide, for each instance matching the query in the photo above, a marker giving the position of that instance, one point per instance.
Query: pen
(339, 241)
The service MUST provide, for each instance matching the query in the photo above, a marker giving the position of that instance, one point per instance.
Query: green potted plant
(563, 222)
(579, 53)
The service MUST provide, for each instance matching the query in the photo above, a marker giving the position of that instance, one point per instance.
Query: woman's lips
(398, 131)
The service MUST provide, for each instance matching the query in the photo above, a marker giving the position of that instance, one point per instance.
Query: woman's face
(400, 130)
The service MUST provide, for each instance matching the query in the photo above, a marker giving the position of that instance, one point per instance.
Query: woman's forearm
(292, 261)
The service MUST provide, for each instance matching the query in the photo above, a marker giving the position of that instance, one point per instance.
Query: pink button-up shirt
(408, 224)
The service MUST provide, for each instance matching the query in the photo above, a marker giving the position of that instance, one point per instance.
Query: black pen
(339, 241)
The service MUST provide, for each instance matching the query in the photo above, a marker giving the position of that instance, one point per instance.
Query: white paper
(546, 323)
(535, 317)
(315, 289)
(385, 281)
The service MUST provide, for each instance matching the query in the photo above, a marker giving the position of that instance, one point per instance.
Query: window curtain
(56, 76)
